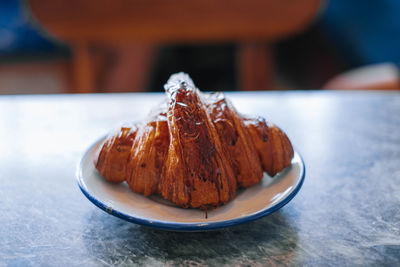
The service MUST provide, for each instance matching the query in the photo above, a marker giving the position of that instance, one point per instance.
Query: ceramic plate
(249, 204)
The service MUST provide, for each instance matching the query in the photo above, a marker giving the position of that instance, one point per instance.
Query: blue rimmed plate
(248, 205)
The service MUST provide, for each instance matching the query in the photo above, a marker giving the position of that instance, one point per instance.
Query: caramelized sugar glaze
(195, 150)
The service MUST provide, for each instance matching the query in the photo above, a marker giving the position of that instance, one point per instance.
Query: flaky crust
(196, 151)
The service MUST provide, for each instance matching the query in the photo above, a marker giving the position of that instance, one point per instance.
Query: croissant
(195, 150)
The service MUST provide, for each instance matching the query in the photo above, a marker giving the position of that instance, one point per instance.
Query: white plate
(249, 204)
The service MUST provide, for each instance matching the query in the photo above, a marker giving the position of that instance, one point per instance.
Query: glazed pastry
(195, 151)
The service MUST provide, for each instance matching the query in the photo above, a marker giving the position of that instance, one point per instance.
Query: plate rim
(186, 227)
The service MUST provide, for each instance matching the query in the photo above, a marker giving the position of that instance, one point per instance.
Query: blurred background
(125, 46)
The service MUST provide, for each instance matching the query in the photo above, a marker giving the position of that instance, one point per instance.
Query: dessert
(194, 150)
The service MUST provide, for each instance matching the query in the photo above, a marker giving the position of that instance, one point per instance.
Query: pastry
(195, 150)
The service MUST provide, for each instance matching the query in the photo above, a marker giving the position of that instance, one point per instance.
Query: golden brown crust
(236, 139)
(197, 153)
(272, 145)
(147, 156)
(197, 172)
(113, 155)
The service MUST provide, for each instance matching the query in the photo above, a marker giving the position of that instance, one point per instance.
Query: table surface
(347, 212)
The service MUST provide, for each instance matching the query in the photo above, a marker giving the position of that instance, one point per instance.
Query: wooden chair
(384, 76)
(133, 29)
